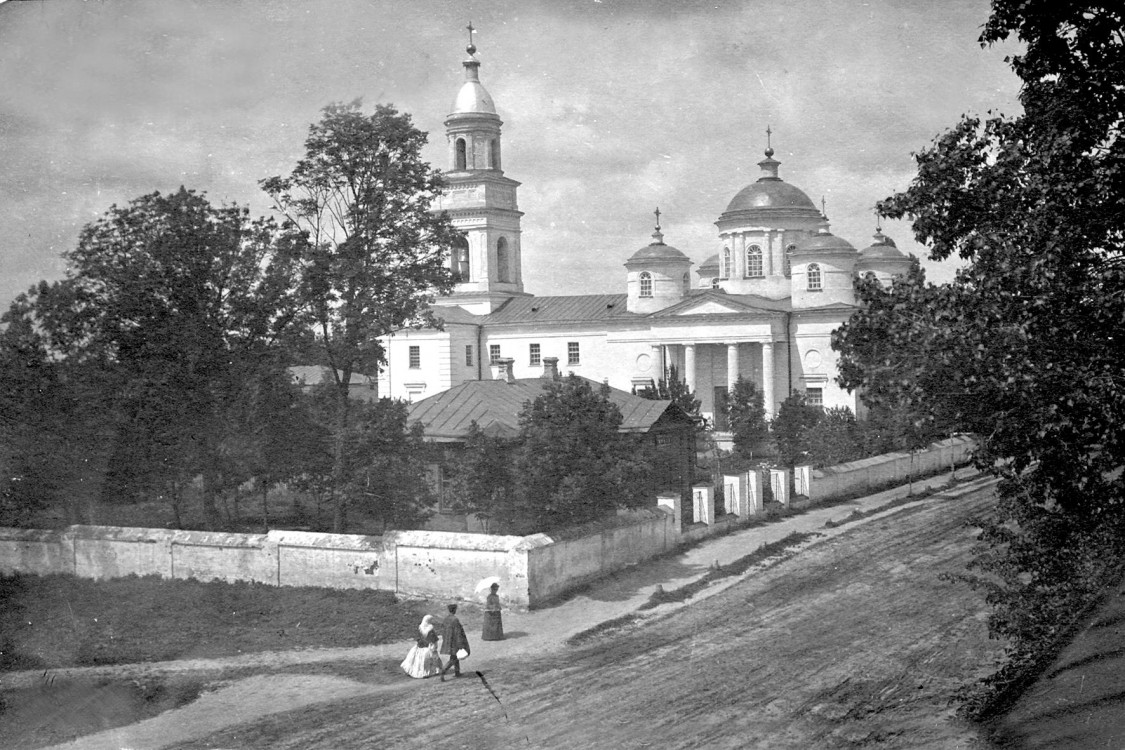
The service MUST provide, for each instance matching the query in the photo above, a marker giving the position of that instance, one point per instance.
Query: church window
(468, 355)
(753, 262)
(646, 284)
(572, 353)
(687, 283)
(870, 276)
(815, 282)
(714, 283)
(415, 357)
(533, 355)
(814, 396)
(503, 274)
(494, 153)
(460, 261)
(724, 266)
(788, 261)
(493, 353)
(460, 158)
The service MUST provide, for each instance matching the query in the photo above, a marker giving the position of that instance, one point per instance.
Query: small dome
(882, 247)
(472, 99)
(709, 265)
(658, 251)
(824, 242)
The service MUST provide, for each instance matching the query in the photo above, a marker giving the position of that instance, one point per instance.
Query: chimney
(502, 370)
(550, 368)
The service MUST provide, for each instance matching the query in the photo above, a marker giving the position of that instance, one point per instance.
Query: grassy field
(58, 621)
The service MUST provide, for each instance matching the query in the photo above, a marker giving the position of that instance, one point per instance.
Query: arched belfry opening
(459, 263)
(503, 261)
(460, 158)
(494, 153)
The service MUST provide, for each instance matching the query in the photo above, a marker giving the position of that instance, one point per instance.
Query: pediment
(710, 307)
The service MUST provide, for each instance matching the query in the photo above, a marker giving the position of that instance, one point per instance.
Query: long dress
(493, 624)
(422, 659)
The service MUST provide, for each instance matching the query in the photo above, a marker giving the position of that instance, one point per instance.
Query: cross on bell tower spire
(471, 49)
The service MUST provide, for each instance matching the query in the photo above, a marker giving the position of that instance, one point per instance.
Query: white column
(658, 366)
(732, 366)
(689, 366)
(768, 396)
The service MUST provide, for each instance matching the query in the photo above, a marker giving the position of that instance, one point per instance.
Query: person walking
(422, 659)
(453, 642)
(493, 624)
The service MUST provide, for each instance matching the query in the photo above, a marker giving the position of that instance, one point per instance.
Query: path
(533, 632)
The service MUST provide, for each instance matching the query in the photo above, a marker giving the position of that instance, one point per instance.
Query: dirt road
(855, 642)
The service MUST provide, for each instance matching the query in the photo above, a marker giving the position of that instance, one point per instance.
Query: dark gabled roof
(749, 303)
(495, 406)
(454, 314)
(586, 308)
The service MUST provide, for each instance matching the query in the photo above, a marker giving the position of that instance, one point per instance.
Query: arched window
(715, 283)
(788, 261)
(459, 159)
(503, 262)
(870, 276)
(459, 263)
(813, 273)
(724, 266)
(646, 284)
(494, 153)
(687, 283)
(754, 262)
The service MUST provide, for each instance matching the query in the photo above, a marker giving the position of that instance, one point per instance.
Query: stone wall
(532, 570)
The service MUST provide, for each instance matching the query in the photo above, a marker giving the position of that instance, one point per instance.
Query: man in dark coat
(453, 640)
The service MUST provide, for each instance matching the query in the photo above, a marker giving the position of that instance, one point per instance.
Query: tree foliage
(172, 307)
(573, 464)
(747, 414)
(376, 255)
(1023, 347)
(790, 429)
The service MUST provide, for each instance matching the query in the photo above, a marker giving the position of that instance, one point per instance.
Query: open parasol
(486, 583)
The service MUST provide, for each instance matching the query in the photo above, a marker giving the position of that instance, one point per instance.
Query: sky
(611, 108)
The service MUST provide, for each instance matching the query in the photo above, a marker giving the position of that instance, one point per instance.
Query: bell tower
(480, 200)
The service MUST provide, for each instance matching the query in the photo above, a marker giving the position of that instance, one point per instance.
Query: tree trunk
(211, 518)
(339, 462)
(265, 507)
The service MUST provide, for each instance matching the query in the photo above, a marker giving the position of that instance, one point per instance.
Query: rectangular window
(814, 396)
(572, 354)
(415, 357)
(469, 355)
(493, 353)
(533, 355)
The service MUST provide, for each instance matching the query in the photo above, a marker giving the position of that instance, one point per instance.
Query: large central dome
(768, 195)
(769, 192)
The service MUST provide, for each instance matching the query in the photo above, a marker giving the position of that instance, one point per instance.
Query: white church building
(762, 307)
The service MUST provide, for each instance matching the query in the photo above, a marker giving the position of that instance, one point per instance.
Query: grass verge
(51, 622)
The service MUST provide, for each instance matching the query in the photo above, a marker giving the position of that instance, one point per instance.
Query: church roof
(495, 406)
(564, 309)
(882, 248)
(657, 250)
(769, 193)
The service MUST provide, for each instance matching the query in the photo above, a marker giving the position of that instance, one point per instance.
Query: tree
(790, 427)
(484, 481)
(573, 464)
(835, 438)
(178, 305)
(747, 417)
(376, 254)
(672, 388)
(1023, 347)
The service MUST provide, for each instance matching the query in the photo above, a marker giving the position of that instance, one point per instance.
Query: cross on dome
(769, 147)
(471, 49)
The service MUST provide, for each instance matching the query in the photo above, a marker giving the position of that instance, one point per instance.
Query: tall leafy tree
(573, 464)
(484, 481)
(178, 304)
(1024, 346)
(376, 253)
